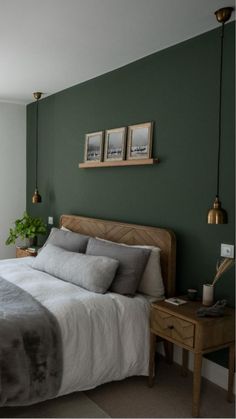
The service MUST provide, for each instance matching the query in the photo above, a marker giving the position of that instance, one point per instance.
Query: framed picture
(115, 144)
(139, 144)
(93, 147)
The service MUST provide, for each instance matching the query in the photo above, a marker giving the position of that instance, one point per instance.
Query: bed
(103, 336)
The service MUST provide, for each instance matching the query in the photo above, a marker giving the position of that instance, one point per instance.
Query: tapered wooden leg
(184, 369)
(196, 384)
(152, 358)
(168, 347)
(230, 396)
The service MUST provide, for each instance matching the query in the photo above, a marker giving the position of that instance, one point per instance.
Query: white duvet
(104, 337)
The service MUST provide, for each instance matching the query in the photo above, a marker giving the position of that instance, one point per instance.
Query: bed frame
(131, 234)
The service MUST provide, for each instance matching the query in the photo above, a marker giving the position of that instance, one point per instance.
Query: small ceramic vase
(208, 295)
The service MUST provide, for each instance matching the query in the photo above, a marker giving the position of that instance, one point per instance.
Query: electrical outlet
(227, 250)
(50, 220)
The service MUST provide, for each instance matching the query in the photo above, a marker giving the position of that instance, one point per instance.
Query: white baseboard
(210, 370)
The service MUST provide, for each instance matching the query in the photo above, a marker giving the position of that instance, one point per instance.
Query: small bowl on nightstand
(192, 294)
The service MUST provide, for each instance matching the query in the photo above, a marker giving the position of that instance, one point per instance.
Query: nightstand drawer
(174, 327)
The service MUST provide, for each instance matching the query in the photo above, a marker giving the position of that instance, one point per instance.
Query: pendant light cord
(220, 112)
(36, 146)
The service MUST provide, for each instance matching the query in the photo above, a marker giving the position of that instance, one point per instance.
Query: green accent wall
(178, 89)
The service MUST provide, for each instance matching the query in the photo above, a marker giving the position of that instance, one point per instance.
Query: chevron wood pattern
(174, 327)
(131, 234)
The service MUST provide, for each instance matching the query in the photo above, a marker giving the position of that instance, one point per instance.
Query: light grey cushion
(94, 273)
(151, 282)
(68, 240)
(132, 262)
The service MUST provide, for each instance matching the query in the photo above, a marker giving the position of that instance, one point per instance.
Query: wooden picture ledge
(138, 162)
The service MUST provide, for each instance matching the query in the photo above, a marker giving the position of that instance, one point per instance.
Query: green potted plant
(27, 227)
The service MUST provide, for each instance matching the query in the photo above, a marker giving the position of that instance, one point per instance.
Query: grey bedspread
(30, 349)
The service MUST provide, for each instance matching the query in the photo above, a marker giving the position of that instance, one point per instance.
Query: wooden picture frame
(139, 144)
(93, 151)
(115, 144)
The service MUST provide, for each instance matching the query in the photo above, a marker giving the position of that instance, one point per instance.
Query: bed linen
(105, 337)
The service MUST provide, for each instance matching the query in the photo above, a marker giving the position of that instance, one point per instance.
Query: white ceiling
(49, 45)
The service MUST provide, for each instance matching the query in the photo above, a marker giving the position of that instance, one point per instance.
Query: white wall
(12, 170)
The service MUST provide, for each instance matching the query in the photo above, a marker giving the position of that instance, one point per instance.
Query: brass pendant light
(218, 215)
(36, 198)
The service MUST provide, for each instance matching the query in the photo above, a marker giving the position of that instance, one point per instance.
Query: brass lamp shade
(217, 215)
(36, 198)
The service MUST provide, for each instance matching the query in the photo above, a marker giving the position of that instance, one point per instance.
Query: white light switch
(50, 220)
(227, 250)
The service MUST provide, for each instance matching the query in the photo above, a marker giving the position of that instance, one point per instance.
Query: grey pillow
(94, 273)
(132, 262)
(68, 240)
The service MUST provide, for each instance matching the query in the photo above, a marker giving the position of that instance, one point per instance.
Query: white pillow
(65, 228)
(94, 273)
(151, 282)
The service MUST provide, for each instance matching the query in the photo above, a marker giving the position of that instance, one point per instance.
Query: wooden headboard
(131, 234)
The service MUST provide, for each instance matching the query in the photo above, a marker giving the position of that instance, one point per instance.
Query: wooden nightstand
(180, 325)
(22, 252)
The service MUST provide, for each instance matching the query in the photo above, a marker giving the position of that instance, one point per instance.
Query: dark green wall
(176, 88)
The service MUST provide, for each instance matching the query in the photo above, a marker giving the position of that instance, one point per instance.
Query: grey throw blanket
(30, 349)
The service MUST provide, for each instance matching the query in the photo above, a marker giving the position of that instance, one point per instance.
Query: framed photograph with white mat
(115, 143)
(139, 145)
(93, 151)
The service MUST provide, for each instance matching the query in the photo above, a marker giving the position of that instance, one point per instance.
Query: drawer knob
(170, 327)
